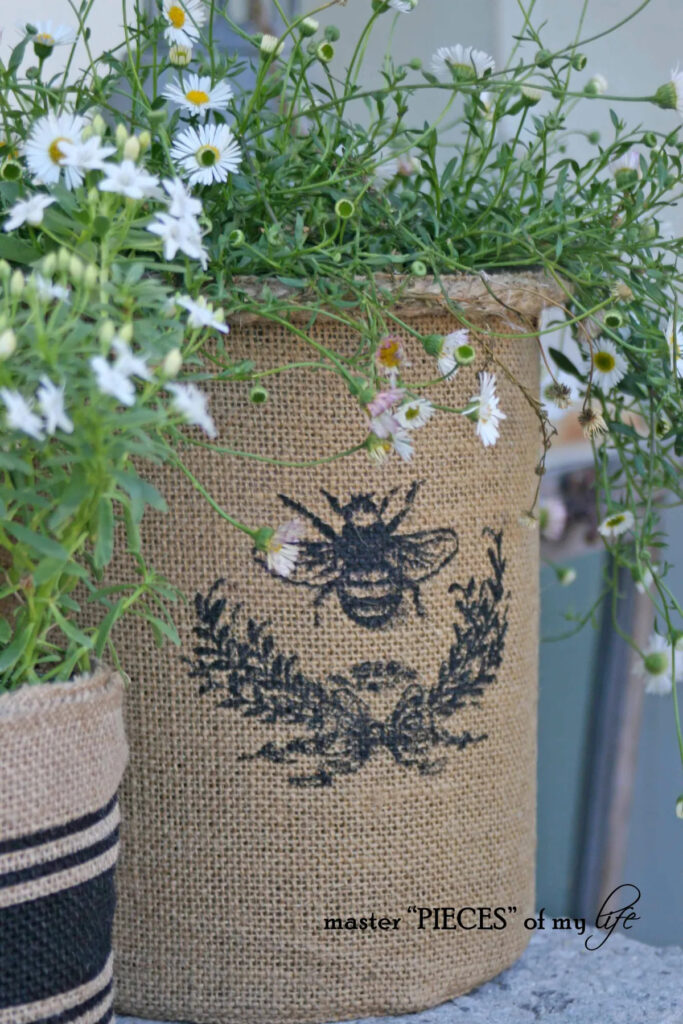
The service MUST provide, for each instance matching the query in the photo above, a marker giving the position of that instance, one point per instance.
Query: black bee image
(368, 564)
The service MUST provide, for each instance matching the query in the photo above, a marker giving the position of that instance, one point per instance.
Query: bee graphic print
(369, 563)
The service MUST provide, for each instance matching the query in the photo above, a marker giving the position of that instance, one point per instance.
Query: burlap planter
(359, 744)
(62, 755)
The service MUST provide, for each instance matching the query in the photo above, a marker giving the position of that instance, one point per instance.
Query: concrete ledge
(558, 980)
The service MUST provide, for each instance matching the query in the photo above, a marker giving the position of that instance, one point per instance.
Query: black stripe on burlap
(48, 835)
(57, 943)
(51, 867)
(67, 1016)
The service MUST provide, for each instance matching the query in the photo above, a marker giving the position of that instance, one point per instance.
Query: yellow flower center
(207, 156)
(604, 361)
(176, 15)
(197, 96)
(412, 412)
(615, 521)
(54, 151)
(390, 354)
(44, 39)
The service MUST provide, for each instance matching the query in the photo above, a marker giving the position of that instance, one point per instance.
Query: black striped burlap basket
(356, 740)
(62, 756)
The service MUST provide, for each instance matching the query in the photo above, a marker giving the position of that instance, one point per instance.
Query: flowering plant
(290, 184)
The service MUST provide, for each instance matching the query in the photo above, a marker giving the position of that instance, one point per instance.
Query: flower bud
(75, 269)
(679, 807)
(270, 46)
(465, 355)
(656, 663)
(565, 575)
(126, 333)
(325, 52)
(63, 259)
(145, 140)
(8, 343)
(667, 96)
(33, 73)
(332, 33)
(596, 86)
(531, 95)
(594, 138)
(650, 140)
(131, 149)
(418, 268)
(579, 61)
(157, 116)
(625, 178)
(11, 170)
(543, 59)
(91, 276)
(107, 331)
(613, 318)
(87, 133)
(236, 238)
(16, 284)
(99, 125)
(415, 63)
(258, 394)
(274, 234)
(121, 135)
(309, 27)
(180, 56)
(5, 270)
(49, 265)
(172, 363)
(433, 344)
(344, 208)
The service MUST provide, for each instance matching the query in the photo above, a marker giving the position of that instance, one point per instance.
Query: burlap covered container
(356, 742)
(62, 755)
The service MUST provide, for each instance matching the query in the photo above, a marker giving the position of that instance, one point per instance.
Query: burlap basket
(62, 755)
(357, 740)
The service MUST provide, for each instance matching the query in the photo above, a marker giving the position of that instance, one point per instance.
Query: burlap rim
(522, 294)
(101, 685)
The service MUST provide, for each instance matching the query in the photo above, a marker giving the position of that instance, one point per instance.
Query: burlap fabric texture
(358, 740)
(62, 755)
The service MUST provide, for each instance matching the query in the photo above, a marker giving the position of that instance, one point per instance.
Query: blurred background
(609, 772)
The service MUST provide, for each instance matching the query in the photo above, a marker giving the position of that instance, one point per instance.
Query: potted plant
(345, 741)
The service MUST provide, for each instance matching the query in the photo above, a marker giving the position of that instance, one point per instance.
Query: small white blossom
(111, 381)
(51, 402)
(20, 415)
(609, 366)
(486, 411)
(447, 364)
(86, 156)
(207, 154)
(552, 518)
(628, 161)
(198, 95)
(183, 18)
(47, 290)
(271, 46)
(201, 313)
(49, 34)
(657, 666)
(615, 524)
(415, 413)
(127, 362)
(27, 211)
(404, 6)
(462, 62)
(127, 179)
(598, 84)
(182, 204)
(283, 547)
(191, 403)
(183, 234)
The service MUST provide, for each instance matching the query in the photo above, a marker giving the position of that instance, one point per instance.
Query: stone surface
(558, 980)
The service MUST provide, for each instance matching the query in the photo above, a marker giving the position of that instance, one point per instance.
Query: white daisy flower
(461, 62)
(402, 443)
(387, 433)
(49, 34)
(670, 96)
(86, 156)
(43, 148)
(127, 179)
(47, 290)
(51, 402)
(28, 211)
(657, 666)
(415, 413)
(201, 313)
(206, 154)
(383, 401)
(552, 518)
(127, 362)
(198, 95)
(20, 415)
(182, 203)
(609, 366)
(486, 411)
(404, 6)
(674, 337)
(111, 381)
(598, 84)
(623, 167)
(183, 234)
(384, 424)
(614, 525)
(447, 364)
(183, 19)
(282, 549)
(191, 403)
